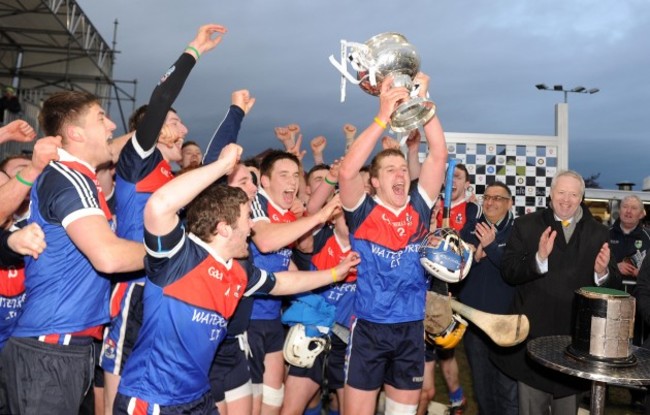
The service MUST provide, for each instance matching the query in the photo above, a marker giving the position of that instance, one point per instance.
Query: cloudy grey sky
(484, 59)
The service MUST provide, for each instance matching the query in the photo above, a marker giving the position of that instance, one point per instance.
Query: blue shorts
(264, 336)
(203, 406)
(334, 363)
(229, 369)
(390, 354)
(122, 332)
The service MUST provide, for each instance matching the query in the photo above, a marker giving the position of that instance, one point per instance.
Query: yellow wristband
(335, 277)
(380, 123)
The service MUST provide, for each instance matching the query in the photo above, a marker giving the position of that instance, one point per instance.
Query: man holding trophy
(386, 341)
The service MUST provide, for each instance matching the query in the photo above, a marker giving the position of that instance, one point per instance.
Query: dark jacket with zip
(547, 299)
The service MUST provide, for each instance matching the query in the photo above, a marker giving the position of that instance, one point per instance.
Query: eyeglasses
(487, 198)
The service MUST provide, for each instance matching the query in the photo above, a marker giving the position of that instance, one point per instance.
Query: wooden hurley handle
(504, 329)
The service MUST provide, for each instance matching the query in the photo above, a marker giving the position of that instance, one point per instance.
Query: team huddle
(177, 284)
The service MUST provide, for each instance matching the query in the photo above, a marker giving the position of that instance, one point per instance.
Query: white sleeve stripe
(138, 149)
(356, 206)
(207, 149)
(263, 277)
(79, 183)
(256, 209)
(81, 213)
(166, 254)
(425, 196)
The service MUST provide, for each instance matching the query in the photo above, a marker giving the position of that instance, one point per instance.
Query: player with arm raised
(391, 284)
(142, 168)
(193, 287)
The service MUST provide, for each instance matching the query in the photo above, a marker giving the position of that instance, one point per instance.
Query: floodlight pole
(560, 88)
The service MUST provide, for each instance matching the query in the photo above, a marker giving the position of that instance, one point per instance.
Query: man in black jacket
(627, 238)
(550, 254)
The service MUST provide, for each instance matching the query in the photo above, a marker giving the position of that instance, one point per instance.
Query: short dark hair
(374, 164)
(252, 162)
(136, 118)
(318, 167)
(463, 168)
(501, 185)
(190, 143)
(64, 107)
(217, 203)
(3, 163)
(269, 160)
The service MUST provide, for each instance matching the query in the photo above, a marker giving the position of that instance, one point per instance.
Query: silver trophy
(383, 55)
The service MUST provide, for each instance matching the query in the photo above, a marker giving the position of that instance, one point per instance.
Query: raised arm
(350, 181)
(160, 213)
(228, 130)
(318, 145)
(18, 130)
(165, 93)
(324, 190)
(413, 154)
(432, 173)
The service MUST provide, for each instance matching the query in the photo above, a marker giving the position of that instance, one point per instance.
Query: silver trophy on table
(383, 55)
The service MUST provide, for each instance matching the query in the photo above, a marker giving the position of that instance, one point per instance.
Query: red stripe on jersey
(211, 286)
(100, 195)
(330, 256)
(388, 230)
(457, 216)
(156, 179)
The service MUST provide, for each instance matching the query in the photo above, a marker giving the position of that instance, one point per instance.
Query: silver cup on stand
(381, 56)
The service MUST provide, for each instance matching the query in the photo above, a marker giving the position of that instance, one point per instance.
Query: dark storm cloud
(484, 59)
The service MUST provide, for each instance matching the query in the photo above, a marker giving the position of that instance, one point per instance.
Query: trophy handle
(344, 71)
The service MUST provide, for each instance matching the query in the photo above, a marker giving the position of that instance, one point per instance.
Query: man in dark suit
(550, 254)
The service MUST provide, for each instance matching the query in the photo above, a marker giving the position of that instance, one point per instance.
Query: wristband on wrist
(195, 50)
(23, 181)
(380, 123)
(328, 182)
(335, 277)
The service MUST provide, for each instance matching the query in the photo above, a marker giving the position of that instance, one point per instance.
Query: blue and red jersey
(12, 297)
(459, 215)
(391, 283)
(263, 209)
(328, 253)
(138, 174)
(189, 296)
(65, 293)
